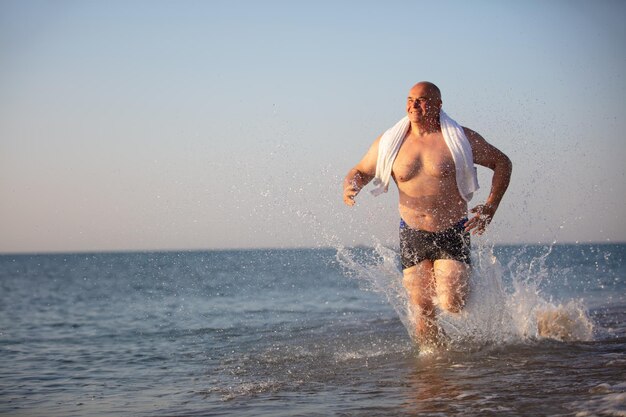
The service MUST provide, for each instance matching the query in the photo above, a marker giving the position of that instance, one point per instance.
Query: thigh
(451, 277)
(419, 281)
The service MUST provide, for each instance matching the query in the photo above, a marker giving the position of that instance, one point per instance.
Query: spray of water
(495, 314)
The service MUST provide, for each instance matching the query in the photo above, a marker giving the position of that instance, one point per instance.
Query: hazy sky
(223, 124)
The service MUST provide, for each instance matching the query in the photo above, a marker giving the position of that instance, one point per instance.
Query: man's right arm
(359, 176)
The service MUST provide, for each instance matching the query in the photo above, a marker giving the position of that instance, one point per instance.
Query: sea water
(308, 332)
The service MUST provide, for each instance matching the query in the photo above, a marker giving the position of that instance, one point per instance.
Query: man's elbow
(508, 164)
(505, 165)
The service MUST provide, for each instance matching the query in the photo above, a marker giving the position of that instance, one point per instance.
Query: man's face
(423, 104)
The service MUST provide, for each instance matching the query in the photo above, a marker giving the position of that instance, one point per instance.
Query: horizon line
(266, 248)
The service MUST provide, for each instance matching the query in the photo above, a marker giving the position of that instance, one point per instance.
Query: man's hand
(483, 215)
(349, 192)
(354, 183)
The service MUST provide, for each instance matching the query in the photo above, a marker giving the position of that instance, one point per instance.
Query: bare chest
(427, 160)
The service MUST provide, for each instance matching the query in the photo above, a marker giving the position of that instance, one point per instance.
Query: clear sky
(130, 125)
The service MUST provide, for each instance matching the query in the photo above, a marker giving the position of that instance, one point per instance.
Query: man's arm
(491, 157)
(359, 176)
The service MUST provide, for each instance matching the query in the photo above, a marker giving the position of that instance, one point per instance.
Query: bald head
(429, 88)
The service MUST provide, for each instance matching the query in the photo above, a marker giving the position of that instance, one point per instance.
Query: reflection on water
(431, 390)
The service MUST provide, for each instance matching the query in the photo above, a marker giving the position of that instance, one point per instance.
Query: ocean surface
(315, 332)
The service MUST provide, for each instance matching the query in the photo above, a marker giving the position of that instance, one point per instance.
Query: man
(434, 229)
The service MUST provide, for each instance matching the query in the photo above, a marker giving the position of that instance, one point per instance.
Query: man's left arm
(491, 157)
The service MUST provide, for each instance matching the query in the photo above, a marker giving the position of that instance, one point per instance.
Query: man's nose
(416, 104)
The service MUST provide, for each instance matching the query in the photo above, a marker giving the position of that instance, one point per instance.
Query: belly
(430, 203)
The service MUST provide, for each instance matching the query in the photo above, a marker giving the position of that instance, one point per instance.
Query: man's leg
(420, 286)
(451, 284)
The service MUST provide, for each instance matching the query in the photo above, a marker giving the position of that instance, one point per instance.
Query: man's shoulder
(468, 131)
(473, 136)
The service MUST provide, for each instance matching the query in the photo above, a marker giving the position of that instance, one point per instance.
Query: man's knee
(452, 302)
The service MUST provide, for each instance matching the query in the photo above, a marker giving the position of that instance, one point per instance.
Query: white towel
(453, 134)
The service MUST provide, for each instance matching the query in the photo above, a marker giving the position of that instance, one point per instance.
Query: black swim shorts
(419, 245)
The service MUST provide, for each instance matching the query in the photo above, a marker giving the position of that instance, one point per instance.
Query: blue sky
(201, 125)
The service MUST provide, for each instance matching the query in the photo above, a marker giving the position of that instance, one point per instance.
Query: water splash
(496, 313)
(378, 271)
